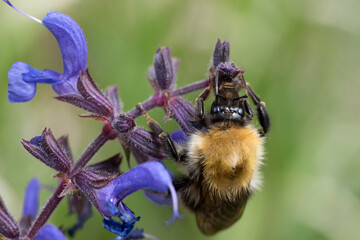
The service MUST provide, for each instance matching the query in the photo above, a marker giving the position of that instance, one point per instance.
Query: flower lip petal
(18, 89)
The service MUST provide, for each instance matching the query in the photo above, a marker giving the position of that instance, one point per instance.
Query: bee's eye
(240, 111)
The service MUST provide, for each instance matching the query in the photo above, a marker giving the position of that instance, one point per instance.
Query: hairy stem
(89, 153)
(55, 199)
(151, 102)
(191, 88)
(147, 105)
(46, 212)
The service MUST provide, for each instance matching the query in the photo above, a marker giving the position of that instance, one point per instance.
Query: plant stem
(191, 88)
(151, 102)
(56, 198)
(147, 105)
(89, 153)
(47, 210)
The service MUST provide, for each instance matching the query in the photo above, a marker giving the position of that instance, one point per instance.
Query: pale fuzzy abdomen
(227, 160)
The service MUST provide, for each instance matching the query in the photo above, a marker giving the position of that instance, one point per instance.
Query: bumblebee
(221, 160)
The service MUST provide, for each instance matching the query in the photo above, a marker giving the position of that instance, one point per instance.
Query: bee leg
(248, 110)
(261, 110)
(164, 136)
(244, 86)
(204, 95)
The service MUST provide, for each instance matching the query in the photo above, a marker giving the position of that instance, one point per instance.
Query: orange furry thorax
(228, 158)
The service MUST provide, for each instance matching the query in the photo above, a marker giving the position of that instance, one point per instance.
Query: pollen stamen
(23, 13)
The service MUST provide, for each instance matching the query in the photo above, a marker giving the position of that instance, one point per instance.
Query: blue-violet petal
(73, 49)
(49, 232)
(18, 89)
(31, 201)
(149, 176)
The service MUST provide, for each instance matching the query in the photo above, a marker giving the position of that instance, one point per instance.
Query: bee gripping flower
(23, 78)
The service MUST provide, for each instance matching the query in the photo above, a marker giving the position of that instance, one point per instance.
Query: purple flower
(151, 176)
(162, 76)
(221, 53)
(48, 150)
(23, 78)
(90, 98)
(31, 203)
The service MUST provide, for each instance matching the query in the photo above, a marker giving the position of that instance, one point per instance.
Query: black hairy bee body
(221, 159)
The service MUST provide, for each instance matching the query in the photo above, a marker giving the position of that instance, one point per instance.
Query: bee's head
(228, 76)
(228, 83)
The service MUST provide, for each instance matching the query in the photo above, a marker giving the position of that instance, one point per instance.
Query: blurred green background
(301, 57)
